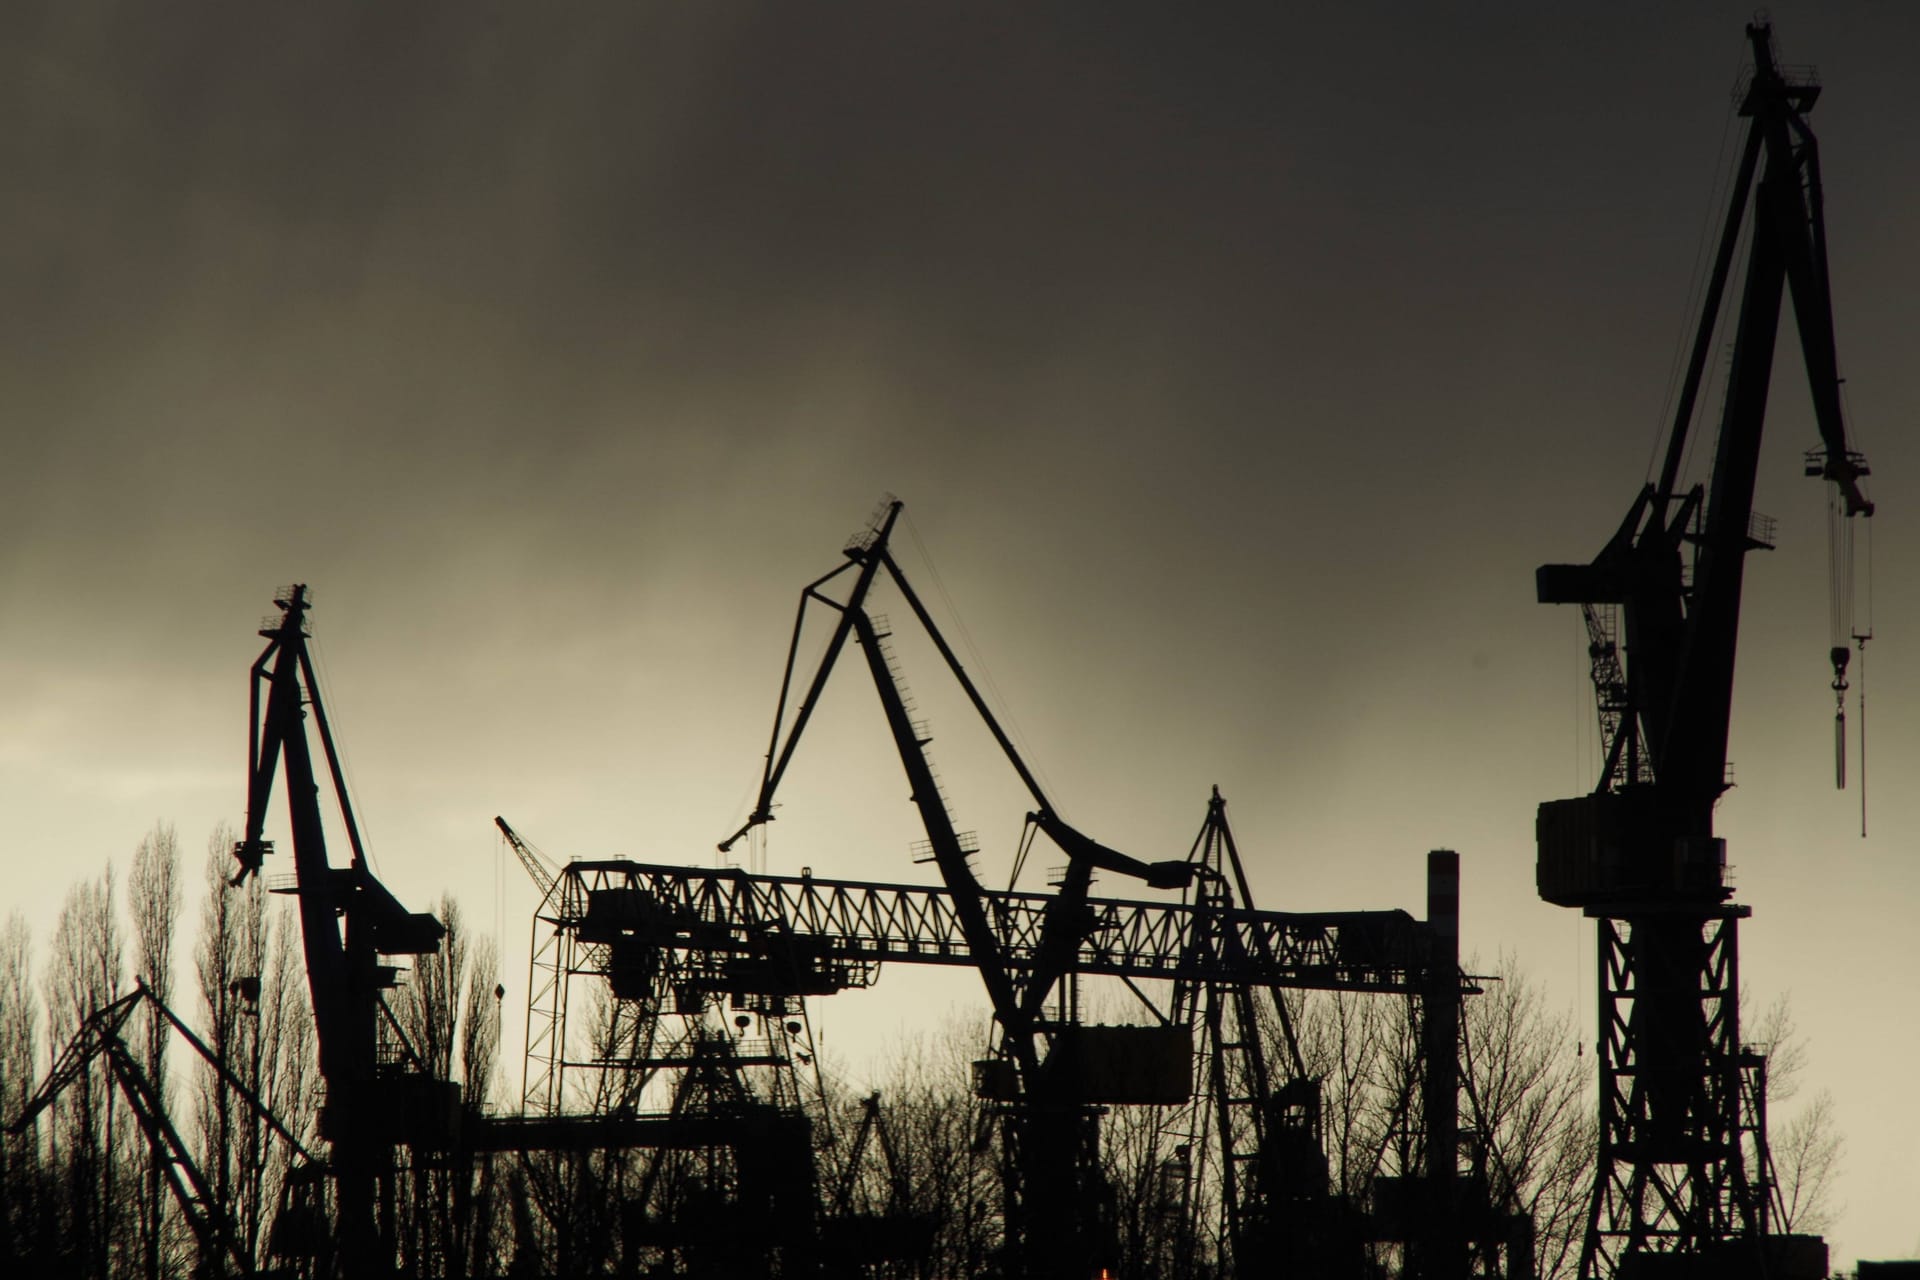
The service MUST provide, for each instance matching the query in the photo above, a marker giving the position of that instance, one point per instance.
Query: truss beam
(827, 935)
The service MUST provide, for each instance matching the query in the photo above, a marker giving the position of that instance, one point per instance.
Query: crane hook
(1840, 656)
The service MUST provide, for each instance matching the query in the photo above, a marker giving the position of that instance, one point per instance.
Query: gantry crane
(734, 1141)
(1683, 1167)
(727, 933)
(365, 1113)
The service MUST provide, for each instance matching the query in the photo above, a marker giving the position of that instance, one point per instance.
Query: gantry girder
(827, 935)
(701, 933)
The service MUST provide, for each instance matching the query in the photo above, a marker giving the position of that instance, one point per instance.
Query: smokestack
(1445, 1254)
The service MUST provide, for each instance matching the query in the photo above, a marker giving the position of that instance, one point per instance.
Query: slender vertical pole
(1443, 1252)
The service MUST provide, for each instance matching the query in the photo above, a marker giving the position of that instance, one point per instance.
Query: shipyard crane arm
(538, 866)
(103, 1025)
(868, 553)
(100, 1027)
(1681, 635)
(340, 971)
(873, 1125)
(1016, 1003)
(849, 1178)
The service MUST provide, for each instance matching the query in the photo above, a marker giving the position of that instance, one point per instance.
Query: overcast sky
(1236, 368)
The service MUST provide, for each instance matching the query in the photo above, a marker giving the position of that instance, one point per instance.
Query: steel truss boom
(834, 933)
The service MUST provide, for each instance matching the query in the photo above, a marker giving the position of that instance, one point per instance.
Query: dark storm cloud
(1290, 317)
(445, 221)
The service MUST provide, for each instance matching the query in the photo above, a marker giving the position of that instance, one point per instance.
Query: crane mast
(1683, 1166)
(345, 973)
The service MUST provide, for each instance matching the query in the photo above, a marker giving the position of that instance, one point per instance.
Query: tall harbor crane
(349, 924)
(1052, 1137)
(1682, 1186)
(1051, 1077)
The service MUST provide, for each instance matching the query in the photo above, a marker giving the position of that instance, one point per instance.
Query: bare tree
(945, 1150)
(1146, 1161)
(220, 962)
(1525, 1102)
(1808, 1148)
(153, 894)
(257, 1020)
(1806, 1160)
(449, 1012)
(89, 1130)
(281, 1070)
(1345, 1041)
(480, 1037)
(1529, 1102)
(230, 964)
(479, 1240)
(20, 1170)
(428, 1007)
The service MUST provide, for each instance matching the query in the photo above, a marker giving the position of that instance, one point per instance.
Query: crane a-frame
(1683, 1170)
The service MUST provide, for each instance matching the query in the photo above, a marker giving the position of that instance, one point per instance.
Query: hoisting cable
(1839, 623)
(1029, 829)
(979, 664)
(1723, 170)
(1857, 632)
(327, 718)
(1860, 638)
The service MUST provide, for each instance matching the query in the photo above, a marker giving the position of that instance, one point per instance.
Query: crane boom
(538, 866)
